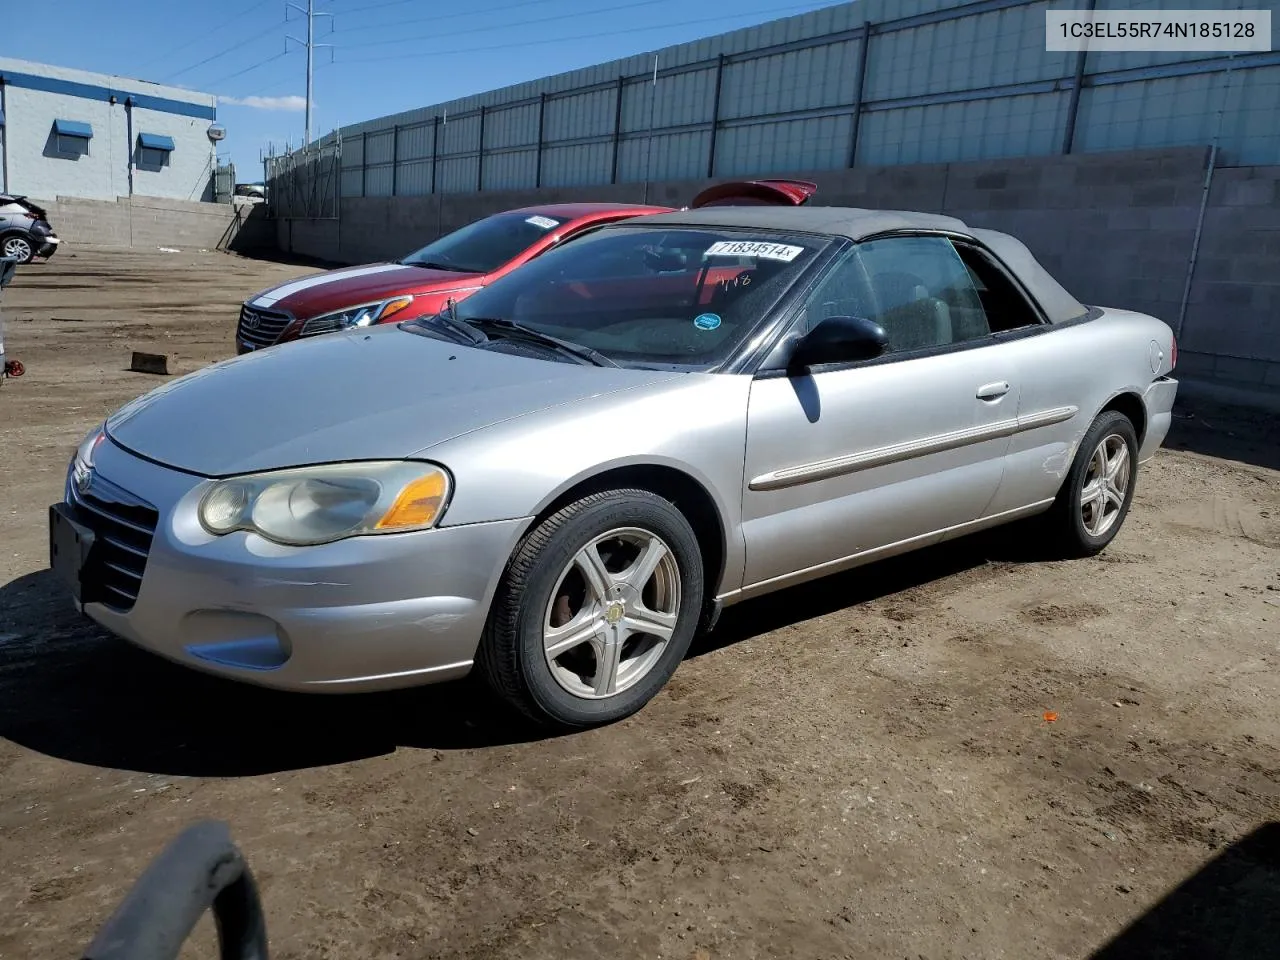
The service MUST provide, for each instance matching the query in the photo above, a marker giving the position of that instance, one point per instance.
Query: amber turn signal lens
(418, 503)
(394, 307)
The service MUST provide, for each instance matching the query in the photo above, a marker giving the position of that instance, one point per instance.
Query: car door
(1058, 367)
(871, 458)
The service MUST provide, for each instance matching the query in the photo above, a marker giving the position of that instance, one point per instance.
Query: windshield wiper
(518, 330)
(430, 265)
(449, 318)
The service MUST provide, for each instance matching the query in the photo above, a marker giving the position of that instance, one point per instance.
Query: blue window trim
(155, 141)
(89, 91)
(73, 128)
(1, 118)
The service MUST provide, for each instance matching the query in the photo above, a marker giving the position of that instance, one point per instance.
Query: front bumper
(1158, 401)
(367, 613)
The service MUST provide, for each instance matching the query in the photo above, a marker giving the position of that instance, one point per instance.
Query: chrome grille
(123, 527)
(261, 328)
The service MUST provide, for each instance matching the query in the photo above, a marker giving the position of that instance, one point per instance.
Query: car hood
(382, 393)
(336, 289)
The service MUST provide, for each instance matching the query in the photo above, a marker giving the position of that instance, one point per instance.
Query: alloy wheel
(18, 248)
(612, 613)
(1106, 483)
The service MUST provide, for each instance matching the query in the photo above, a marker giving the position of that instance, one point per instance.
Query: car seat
(909, 314)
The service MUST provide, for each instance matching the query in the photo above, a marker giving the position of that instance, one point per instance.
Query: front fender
(695, 424)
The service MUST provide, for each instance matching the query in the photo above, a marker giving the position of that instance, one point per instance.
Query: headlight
(360, 316)
(83, 457)
(82, 460)
(321, 504)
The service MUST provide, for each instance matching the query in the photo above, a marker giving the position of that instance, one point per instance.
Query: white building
(69, 133)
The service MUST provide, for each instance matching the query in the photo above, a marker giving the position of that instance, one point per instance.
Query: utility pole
(309, 11)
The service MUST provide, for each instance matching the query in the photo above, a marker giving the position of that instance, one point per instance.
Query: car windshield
(680, 296)
(487, 244)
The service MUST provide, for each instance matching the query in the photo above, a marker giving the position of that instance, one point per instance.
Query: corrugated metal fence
(224, 183)
(841, 86)
(303, 185)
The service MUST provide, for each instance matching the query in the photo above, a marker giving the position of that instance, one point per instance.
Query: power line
(516, 23)
(239, 45)
(398, 3)
(419, 54)
(200, 38)
(249, 69)
(443, 16)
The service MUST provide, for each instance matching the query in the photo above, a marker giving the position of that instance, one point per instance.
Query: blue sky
(387, 56)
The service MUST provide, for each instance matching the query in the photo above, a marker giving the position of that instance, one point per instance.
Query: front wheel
(1095, 497)
(596, 609)
(17, 247)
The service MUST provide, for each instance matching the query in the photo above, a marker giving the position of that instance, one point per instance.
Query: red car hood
(336, 289)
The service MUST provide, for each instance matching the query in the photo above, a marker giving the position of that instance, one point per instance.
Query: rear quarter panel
(1085, 365)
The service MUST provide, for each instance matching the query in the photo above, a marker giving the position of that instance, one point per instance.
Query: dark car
(24, 230)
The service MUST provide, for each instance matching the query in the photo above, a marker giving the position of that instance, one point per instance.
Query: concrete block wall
(148, 223)
(1117, 229)
(1232, 330)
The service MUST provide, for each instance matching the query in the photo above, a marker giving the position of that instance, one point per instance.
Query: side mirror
(839, 340)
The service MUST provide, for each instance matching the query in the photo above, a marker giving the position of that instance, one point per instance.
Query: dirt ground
(861, 767)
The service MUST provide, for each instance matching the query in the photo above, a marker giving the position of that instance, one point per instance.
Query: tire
(1073, 523)
(547, 580)
(18, 246)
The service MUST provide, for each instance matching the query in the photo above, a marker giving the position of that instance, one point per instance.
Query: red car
(456, 265)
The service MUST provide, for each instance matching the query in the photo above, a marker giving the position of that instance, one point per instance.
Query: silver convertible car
(562, 478)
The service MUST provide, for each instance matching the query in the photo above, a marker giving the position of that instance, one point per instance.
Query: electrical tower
(309, 11)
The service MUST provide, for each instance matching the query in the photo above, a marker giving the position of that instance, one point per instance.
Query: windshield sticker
(754, 248)
(546, 223)
(707, 321)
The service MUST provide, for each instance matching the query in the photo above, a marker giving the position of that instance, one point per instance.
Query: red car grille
(261, 328)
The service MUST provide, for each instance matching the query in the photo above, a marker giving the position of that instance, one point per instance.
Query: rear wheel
(596, 609)
(1095, 497)
(18, 247)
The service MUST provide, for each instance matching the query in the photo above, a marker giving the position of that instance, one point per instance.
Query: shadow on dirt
(1229, 909)
(1235, 433)
(273, 254)
(69, 690)
(820, 597)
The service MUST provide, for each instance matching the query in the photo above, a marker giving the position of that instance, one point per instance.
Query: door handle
(993, 391)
